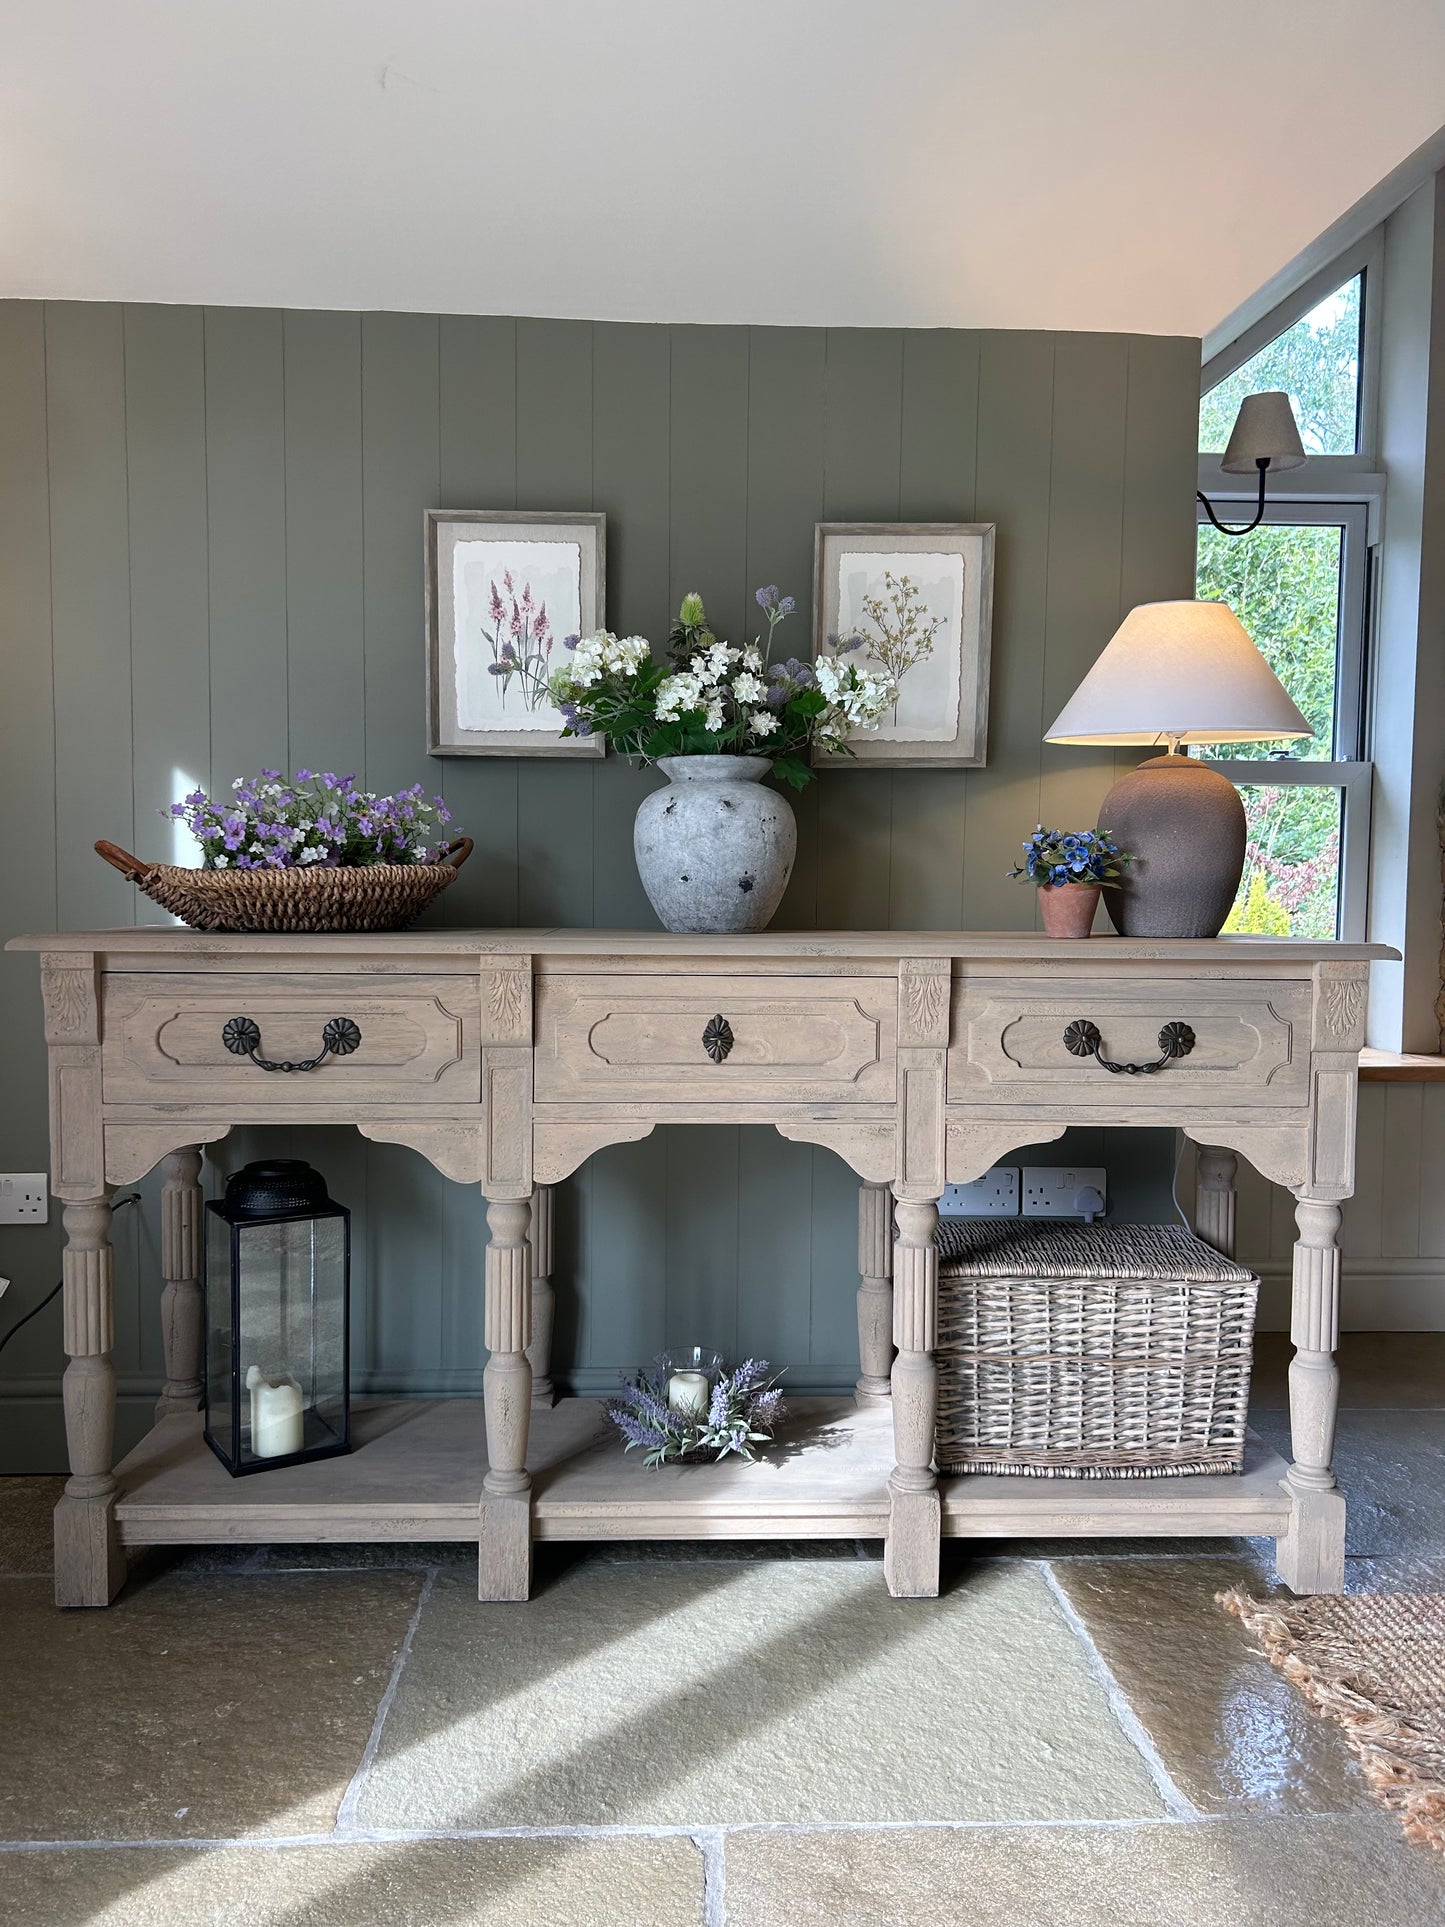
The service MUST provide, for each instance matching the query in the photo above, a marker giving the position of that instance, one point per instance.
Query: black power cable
(118, 1204)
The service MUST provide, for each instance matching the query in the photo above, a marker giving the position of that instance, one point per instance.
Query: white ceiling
(1092, 164)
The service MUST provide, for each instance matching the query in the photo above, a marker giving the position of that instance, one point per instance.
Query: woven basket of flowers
(308, 854)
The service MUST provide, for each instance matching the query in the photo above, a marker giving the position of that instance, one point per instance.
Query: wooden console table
(507, 1057)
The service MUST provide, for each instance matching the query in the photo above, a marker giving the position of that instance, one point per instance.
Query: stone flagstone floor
(1072, 1735)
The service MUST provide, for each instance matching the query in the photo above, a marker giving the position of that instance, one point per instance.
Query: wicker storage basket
(378, 896)
(1090, 1352)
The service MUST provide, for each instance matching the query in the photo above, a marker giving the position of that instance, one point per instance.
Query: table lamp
(1177, 673)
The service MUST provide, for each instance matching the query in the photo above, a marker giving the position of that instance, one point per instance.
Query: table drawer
(1251, 1042)
(164, 1039)
(826, 1039)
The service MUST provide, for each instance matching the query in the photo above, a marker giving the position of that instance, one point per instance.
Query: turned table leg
(544, 1297)
(1310, 1556)
(89, 1563)
(910, 1556)
(1215, 1198)
(875, 1294)
(504, 1566)
(182, 1309)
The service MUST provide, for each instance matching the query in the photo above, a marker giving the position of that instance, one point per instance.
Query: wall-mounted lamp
(1265, 437)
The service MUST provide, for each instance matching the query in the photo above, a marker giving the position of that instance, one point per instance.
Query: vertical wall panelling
(30, 1259)
(246, 539)
(165, 409)
(478, 403)
(1015, 464)
(554, 471)
(631, 462)
(234, 502)
(861, 467)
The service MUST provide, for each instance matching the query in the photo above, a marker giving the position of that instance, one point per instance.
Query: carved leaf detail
(67, 995)
(926, 998)
(506, 999)
(1344, 1006)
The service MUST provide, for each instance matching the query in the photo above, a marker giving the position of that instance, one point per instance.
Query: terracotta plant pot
(1068, 908)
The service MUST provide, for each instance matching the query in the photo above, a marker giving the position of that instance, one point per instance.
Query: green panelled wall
(210, 559)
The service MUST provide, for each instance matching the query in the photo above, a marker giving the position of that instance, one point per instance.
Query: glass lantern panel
(220, 1412)
(292, 1333)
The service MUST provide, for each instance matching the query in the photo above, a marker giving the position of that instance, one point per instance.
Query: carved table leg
(504, 1568)
(89, 1563)
(1310, 1556)
(910, 1556)
(182, 1309)
(1215, 1198)
(544, 1298)
(875, 1294)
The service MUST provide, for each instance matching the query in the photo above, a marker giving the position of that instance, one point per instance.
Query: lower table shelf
(415, 1472)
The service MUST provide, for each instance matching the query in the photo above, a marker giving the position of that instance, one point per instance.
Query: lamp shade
(1264, 431)
(1179, 669)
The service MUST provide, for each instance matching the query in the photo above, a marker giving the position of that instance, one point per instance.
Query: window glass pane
(1283, 582)
(1291, 882)
(1316, 363)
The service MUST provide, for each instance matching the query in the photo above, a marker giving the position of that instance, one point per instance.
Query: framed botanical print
(505, 591)
(912, 601)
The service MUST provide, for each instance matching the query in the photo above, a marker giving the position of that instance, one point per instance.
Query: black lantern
(278, 1263)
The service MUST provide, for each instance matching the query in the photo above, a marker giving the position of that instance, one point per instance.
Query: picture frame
(929, 619)
(504, 587)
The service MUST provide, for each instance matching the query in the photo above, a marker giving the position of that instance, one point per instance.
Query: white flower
(762, 722)
(256, 850)
(312, 855)
(747, 688)
(675, 694)
(752, 660)
(830, 677)
(714, 716)
(223, 863)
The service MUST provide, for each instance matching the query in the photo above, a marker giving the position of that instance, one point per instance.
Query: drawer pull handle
(717, 1039)
(242, 1037)
(1082, 1039)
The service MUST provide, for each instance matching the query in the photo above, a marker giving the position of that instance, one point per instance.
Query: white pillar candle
(277, 1422)
(687, 1394)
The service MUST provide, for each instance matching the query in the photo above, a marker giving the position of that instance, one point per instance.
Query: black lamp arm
(1261, 462)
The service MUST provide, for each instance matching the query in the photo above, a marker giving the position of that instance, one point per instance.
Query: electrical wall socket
(1054, 1191)
(994, 1195)
(24, 1197)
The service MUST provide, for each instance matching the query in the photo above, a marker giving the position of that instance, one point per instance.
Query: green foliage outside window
(1316, 363)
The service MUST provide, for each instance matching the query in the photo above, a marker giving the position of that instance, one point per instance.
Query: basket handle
(130, 867)
(457, 852)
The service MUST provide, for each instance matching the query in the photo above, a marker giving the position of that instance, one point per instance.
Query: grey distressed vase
(714, 848)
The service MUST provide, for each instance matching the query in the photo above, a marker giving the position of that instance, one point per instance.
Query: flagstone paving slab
(1269, 1873)
(712, 1694)
(416, 1883)
(198, 1705)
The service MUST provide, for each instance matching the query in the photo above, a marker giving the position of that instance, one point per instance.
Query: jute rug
(1376, 1663)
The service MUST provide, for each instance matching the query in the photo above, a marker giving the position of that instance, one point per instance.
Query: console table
(506, 1057)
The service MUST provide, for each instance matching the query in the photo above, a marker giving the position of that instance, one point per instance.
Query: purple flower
(570, 642)
(197, 799)
(303, 776)
(786, 606)
(766, 598)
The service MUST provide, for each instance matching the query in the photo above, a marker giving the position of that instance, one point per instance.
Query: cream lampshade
(1176, 673)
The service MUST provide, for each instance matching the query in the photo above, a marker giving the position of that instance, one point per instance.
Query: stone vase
(715, 849)
(1183, 823)
(1068, 908)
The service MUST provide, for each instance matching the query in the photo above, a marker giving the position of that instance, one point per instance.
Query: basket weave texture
(1090, 1352)
(377, 896)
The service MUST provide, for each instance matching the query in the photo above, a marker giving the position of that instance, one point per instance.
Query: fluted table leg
(1215, 1198)
(182, 1309)
(875, 1293)
(89, 1563)
(1310, 1556)
(910, 1557)
(504, 1569)
(544, 1297)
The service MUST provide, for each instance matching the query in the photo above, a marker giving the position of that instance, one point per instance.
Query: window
(1317, 364)
(1299, 584)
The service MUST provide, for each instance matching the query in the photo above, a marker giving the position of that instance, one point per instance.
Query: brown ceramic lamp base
(1183, 823)
(1068, 908)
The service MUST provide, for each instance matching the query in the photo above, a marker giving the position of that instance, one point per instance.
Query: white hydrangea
(605, 654)
(677, 693)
